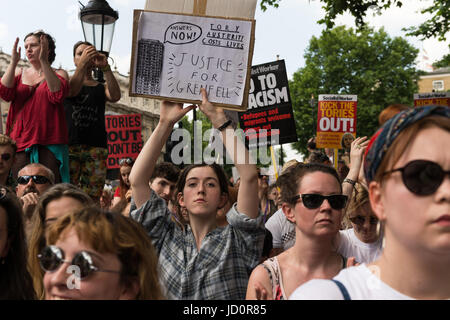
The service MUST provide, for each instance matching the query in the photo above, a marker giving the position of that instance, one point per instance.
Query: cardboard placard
(269, 106)
(174, 55)
(336, 121)
(124, 138)
(432, 98)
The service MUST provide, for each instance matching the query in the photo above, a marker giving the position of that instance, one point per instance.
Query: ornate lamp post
(98, 20)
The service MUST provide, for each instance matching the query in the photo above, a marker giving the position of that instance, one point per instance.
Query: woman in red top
(36, 119)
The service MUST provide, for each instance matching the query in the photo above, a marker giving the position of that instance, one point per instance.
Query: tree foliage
(437, 26)
(378, 69)
(443, 63)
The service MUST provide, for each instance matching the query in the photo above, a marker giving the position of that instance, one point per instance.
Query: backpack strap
(343, 289)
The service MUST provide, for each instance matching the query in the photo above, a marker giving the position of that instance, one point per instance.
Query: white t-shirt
(360, 282)
(283, 236)
(351, 246)
(282, 230)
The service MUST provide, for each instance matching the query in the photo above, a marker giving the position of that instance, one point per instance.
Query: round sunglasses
(421, 177)
(314, 201)
(52, 257)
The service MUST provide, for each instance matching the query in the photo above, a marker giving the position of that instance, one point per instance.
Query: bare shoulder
(63, 73)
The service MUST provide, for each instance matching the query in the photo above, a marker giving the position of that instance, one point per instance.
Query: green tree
(443, 63)
(437, 26)
(378, 69)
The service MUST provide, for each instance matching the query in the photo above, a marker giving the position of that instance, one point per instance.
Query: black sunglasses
(125, 160)
(314, 201)
(52, 257)
(360, 220)
(6, 156)
(36, 179)
(421, 177)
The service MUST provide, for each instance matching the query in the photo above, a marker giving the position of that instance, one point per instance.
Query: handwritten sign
(269, 107)
(176, 55)
(432, 98)
(336, 121)
(124, 138)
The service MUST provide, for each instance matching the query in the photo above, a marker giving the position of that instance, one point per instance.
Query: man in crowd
(32, 181)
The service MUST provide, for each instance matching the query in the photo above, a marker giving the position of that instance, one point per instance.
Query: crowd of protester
(378, 227)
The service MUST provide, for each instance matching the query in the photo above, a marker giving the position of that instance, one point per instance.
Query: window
(438, 85)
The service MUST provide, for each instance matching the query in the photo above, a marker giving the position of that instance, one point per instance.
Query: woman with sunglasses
(57, 201)
(36, 119)
(407, 166)
(312, 199)
(201, 261)
(91, 255)
(15, 281)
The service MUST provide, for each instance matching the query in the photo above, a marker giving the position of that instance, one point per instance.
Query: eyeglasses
(36, 179)
(314, 201)
(52, 257)
(5, 156)
(421, 177)
(128, 161)
(360, 220)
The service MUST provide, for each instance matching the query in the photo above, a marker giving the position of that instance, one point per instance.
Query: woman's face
(3, 233)
(420, 223)
(32, 48)
(63, 283)
(323, 220)
(60, 207)
(78, 52)
(348, 139)
(201, 193)
(125, 173)
(364, 223)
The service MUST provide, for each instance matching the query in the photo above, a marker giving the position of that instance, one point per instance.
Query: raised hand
(100, 60)
(357, 149)
(15, 54)
(214, 114)
(88, 57)
(172, 112)
(43, 55)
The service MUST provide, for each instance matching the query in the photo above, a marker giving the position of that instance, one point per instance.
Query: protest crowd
(375, 226)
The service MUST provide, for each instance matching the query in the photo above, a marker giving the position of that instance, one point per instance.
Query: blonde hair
(108, 232)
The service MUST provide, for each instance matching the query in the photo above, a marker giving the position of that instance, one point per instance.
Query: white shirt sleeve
(274, 226)
(317, 289)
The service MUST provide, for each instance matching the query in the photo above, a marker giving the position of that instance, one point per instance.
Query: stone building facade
(437, 80)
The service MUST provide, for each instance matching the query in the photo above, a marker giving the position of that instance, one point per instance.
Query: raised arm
(145, 163)
(85, 62)
(247, 201)
(53, 82)
(357, 149)
(8, 77)
(112, 89)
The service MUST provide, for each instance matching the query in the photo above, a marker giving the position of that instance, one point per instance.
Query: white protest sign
(176, 55)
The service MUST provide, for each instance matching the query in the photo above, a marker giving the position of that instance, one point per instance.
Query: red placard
(124, 138)
(336, 120)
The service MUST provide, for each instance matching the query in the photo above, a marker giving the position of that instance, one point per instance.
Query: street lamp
(98, 20)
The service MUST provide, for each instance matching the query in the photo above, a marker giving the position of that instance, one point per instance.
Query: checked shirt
(219, 270)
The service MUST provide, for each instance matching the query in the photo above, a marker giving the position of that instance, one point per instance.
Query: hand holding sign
(172, 112)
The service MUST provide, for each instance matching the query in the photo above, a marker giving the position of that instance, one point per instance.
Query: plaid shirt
(219, 270)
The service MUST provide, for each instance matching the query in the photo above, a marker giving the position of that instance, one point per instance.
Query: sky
(284, 32)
